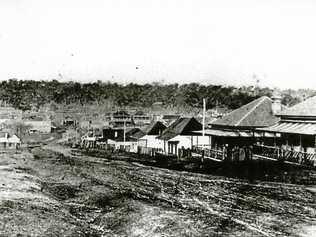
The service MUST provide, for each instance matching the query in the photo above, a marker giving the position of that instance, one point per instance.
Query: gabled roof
(132, 131)
(306, 108)
(155, 128)
(182, 126)
(137, 134)
(131, 135)
(257, 113)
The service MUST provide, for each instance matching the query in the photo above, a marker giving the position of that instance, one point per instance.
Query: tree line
(25, 94)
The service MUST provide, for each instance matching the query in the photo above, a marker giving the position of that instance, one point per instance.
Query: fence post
(202, 157)
(251, 152)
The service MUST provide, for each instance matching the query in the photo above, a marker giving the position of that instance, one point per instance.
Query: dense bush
(24, 94)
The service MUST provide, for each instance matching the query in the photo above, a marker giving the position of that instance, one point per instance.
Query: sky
(245, 42)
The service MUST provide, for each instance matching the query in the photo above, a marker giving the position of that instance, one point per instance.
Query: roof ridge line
(250, 111)
(189, 120)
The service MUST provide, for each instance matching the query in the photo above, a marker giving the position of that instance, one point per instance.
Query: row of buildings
(264, 124)
(270, 129)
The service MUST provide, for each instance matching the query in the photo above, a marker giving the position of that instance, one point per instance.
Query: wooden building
(39, 126)
(296, 129)
(128, 141)
(141, 119)
(121, 118)
(179, 135)
(151, 133)
(238, 128)
(9, 141)
(294, 136)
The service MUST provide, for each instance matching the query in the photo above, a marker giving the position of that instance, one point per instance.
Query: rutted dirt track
(49, 194)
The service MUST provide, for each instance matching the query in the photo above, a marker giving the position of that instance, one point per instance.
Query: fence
(210, 153)
(228, 154)
(148, 151)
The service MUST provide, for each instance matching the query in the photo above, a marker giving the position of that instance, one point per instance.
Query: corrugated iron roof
(228, 133)
(155, 128)
(138, 134)
(257, 113)
(130, 135)
(306, 108)
(292, 127)
(182, 126)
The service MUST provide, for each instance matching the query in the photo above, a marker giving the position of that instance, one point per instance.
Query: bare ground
(52, 194)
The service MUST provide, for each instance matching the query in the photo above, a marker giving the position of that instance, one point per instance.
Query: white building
(150, 139)
(8, 141)
(180, 135)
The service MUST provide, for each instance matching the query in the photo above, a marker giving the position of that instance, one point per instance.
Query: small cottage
(8, 141)
(179, 135)
(150, 139)
(126, 140)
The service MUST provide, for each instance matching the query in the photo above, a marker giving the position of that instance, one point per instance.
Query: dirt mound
(106, 201)
(61, 191)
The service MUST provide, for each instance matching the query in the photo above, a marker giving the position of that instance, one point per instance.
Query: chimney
(276, 103)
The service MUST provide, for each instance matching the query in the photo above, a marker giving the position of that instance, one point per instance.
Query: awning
(179, 138)
(292, 127)
(231, 133)
(220, 133)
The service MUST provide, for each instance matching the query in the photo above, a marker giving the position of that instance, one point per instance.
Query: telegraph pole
(124, 136)
(203, 123)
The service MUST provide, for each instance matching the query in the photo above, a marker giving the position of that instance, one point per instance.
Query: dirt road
(49, 194)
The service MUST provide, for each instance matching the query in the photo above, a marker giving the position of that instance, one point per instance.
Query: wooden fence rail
(210, 153)
(235, 154)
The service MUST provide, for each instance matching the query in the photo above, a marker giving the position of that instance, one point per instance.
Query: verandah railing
(277, 153)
